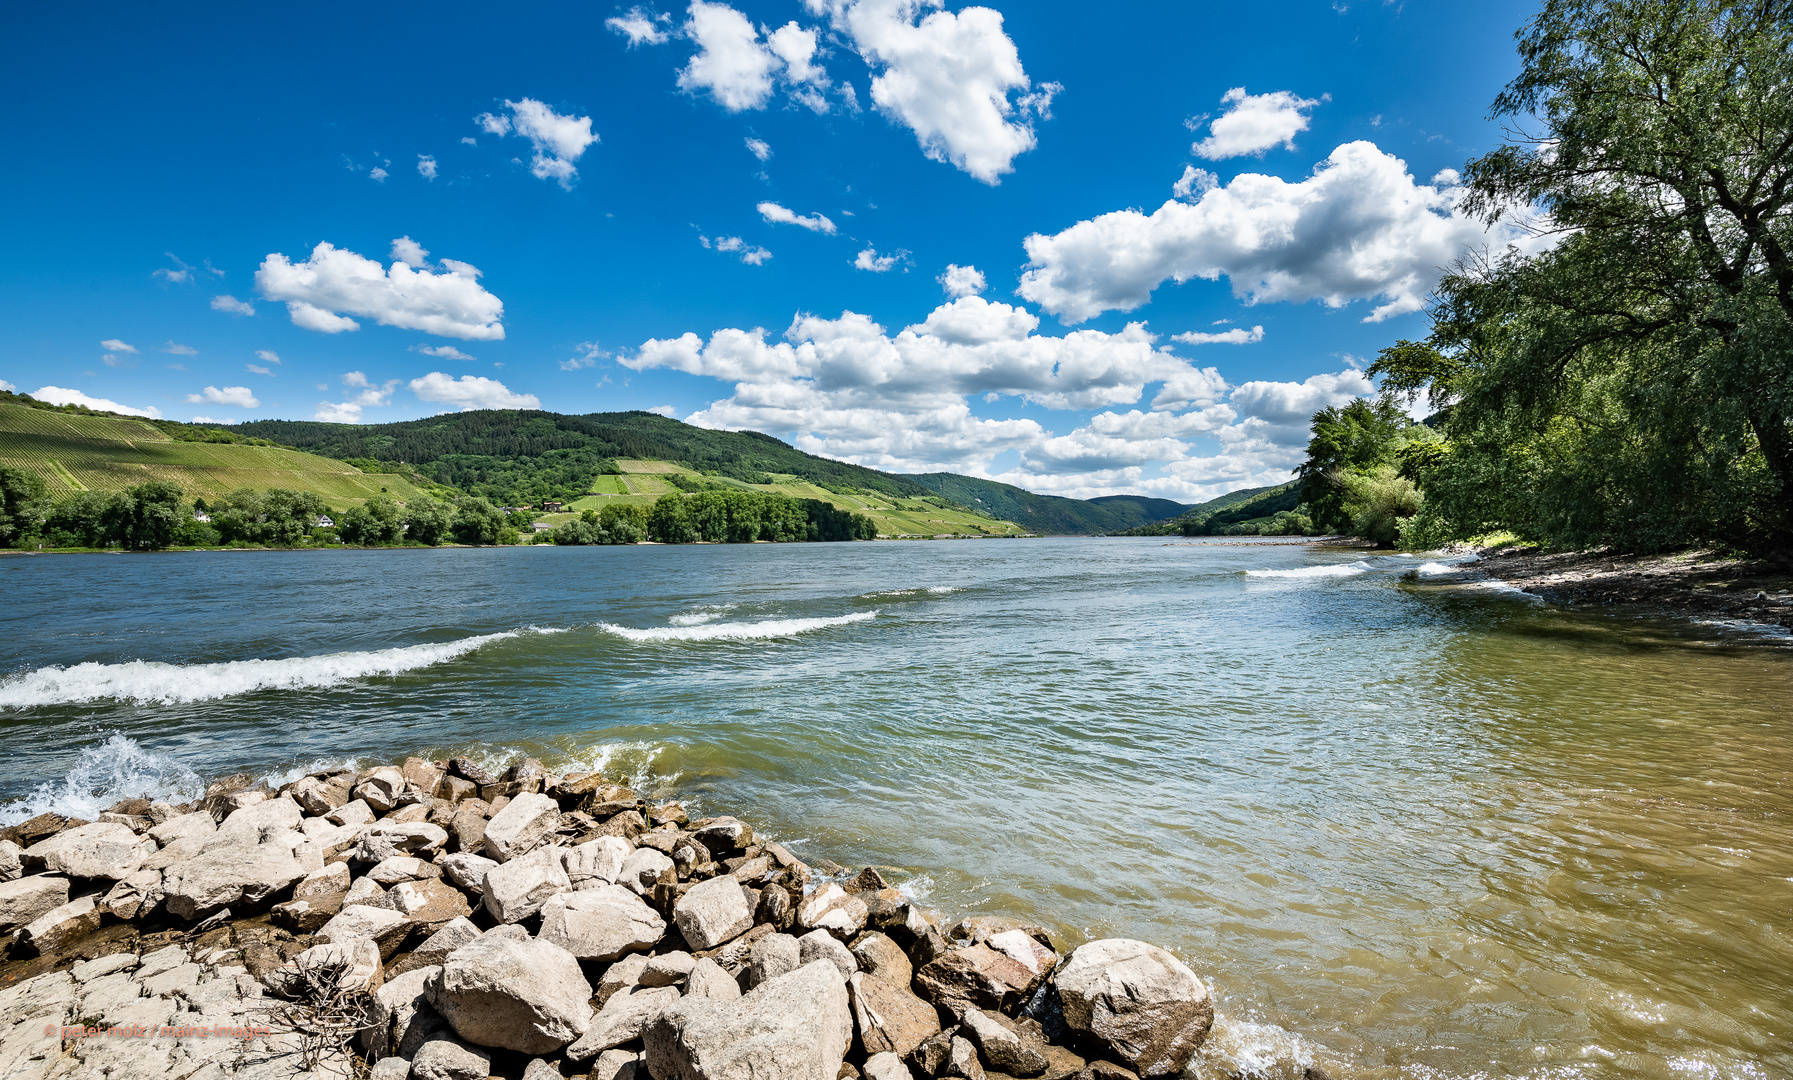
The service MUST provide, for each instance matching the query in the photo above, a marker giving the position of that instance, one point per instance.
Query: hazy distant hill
(1050, 514)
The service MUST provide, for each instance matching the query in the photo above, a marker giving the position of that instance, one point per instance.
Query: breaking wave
(103, 775)
(1334, 570)
(734, 631)
(151, 681)
(701, 615)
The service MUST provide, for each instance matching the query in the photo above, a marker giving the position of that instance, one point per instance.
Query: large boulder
(641, 868)
(136, 896)
(603, 923)
(976, 977)
(467, 870)
(355, 961)
(1015, 1048)
(795, 1027)
(229, 874)
(1137, 1000)
(833, 909)
(383, 841)
(397, 1008)
(890, 1017)
(597, 862)
(523, 824)
(821, 945)
(262, 822)
(772, 956)
(517, 889)
(22, 900)
(101, 850)
(621, 1020)
(522, 995)
(199, 823)
(713, 912)
(60, 925)
(430, 901)
(446, 1059)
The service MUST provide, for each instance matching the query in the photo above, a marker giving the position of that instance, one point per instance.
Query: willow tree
(1631, 385)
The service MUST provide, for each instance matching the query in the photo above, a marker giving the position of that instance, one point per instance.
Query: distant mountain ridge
(1050, 514)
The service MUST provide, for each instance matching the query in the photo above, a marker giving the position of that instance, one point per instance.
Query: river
(1408, 824)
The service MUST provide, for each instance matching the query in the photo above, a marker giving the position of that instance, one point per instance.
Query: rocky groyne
(437, 922)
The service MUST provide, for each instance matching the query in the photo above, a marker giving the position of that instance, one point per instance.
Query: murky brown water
(1408, 829)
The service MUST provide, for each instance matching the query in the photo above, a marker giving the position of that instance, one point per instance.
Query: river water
(1408, 824)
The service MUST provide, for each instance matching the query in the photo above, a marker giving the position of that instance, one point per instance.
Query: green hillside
(642, 482)
(1050, 514)
(85, 451)
(527, 455)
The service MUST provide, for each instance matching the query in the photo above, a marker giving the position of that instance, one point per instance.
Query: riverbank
(1702, 583)
(433, 920)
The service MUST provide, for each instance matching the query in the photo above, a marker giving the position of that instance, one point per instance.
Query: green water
(1408, 826)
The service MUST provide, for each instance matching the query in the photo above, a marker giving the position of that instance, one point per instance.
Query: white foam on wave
(151, 681)
(1434, 569)
(701, 615)
(1245, 1050)
(1333, 570)
(104, 774)
(734, 631)
(933, 590)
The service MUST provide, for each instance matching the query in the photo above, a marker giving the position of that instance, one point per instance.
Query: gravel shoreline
(434, 921)
(1694, 582)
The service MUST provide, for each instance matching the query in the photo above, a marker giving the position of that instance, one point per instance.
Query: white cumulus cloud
(962, 280)
(58, 395)
(1358, 228)
(471, 392)
(642, 26)
(954, 79)
(558, 140)
(759, 148)
(869, 259)
(778, 215)
(740, 70)
(1238, 335)
(426, 166)
(115, 345)
(177, 349)
(751, 255)
(1253, 123)
(259, 370)
(331, 280)
(239, 396)
(269, 355)
(445, 352)
(232, 305)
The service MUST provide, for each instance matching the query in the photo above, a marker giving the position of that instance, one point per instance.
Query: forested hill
(531, 454)
(1220, 516)
(1049, 514)
(518, 455)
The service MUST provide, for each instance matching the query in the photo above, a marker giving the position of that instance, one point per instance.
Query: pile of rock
(544, 926)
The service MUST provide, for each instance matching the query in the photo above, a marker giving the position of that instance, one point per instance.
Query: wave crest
(1334, 570)
(155, 682)
(734, 631)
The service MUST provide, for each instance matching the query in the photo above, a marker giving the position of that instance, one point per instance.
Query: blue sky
(744, 215)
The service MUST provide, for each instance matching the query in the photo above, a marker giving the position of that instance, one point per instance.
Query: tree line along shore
(433, 920)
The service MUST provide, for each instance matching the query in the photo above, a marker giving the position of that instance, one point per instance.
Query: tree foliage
(273, 518)
(742, 517)
(616, 523)
(1631, 386)
(24, 501)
